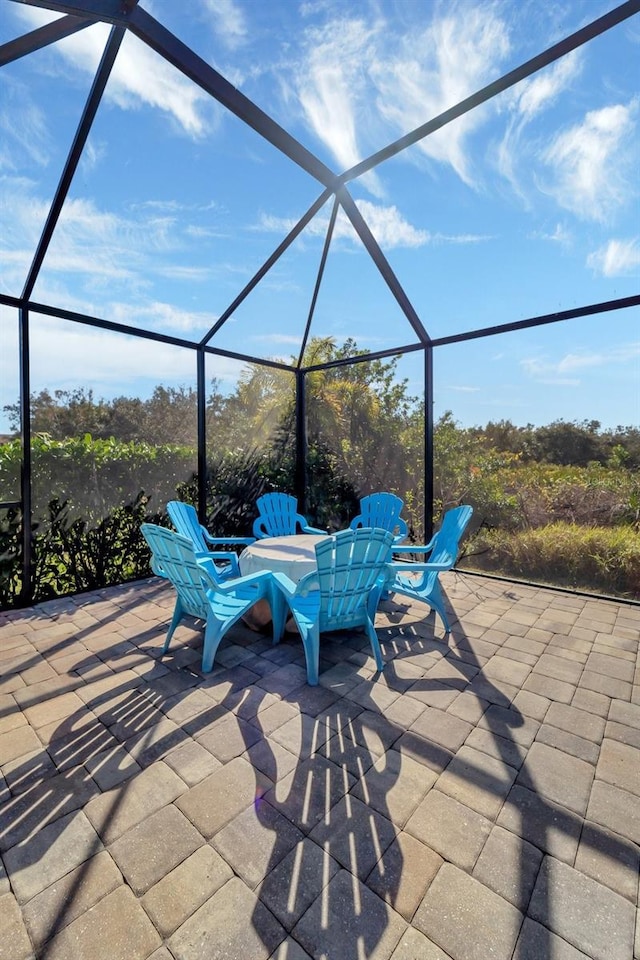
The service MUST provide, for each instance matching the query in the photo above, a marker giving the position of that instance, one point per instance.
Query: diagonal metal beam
(41, 37)
(110, 11)
(577, 39)
(88, 115)
(381, 262)
(316, 289)
(266, 266)
(147, 29)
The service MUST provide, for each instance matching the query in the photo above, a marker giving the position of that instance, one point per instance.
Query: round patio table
(293, 555)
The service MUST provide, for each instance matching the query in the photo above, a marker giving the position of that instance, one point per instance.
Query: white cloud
(181, 272)
(618, 258)
(139, 75)
(590, 162)
(229, 22)
(280, 338)
(332, 89)
(65, 354)
(547, 371)
(362, 82)
(561, 235)
(28, 135)
(164, 317)
(525, 102)
(437, 68)
(543, 88)
(387, 224)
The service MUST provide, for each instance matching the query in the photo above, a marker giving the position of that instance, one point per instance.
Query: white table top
(295, 555)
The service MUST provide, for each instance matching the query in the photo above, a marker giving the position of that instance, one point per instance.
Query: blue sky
(527, 205)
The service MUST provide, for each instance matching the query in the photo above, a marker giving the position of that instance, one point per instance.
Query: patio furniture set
(323, 582)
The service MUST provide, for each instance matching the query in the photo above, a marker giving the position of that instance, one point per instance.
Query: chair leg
(375, 596)
(375, 645)
(278, 606)
(175, 620)
(213, 634)
(311, 644)
(436, 600)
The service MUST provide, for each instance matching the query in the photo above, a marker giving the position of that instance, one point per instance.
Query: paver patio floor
(478, 799)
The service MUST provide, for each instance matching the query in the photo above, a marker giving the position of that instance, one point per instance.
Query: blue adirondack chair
(335, 597)
(443, 553)
(382, 510)
(201, 593)
(278, 517)
(185, 520)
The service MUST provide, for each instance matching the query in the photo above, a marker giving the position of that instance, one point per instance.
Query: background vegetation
(558, 503)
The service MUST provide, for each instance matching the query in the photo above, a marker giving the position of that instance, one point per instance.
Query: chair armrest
(223, 555)
(262, 577)
(226, 541)
(232, 541)
(414, 547)
(259, 529)
(395, 566)
(306, 529)
(308, 583)
(285, 583)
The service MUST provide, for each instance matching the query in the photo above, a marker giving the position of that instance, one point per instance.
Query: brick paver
(468, 920)
(479, 798)
(591, 917)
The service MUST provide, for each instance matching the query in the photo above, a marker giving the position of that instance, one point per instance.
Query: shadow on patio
(479, 798)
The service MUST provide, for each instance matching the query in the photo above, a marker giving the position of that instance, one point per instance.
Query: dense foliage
(558, 503)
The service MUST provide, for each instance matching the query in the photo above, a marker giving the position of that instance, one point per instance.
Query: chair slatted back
(185, 519)
(447, 539)
(278, 513)
(174, 556)
(349, 563)
(382, 511)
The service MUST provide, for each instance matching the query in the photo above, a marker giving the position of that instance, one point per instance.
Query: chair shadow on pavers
(528, 854)
(337, 838)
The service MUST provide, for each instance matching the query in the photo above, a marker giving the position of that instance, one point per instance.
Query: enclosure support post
(202, 437)
(428, 443)
(301, 441)
(27, 587)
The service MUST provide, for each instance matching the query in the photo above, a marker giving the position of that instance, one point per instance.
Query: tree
(570, 443)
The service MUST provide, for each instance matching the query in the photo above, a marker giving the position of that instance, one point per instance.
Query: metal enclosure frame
(125, 15)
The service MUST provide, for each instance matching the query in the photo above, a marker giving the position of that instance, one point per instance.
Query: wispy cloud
(524, 104)
(65, 355)
(162, 316)
(279, 338)
(436, 68)
(590, 163)
(229, 22)
(139, 75)
(174, 271)
(618, 258)
(29, 135)
(97, 256)
(544, 370)
(363, 82)
(332, 87)
(388, 225)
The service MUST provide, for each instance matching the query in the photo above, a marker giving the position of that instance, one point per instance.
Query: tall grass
(601, 559)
